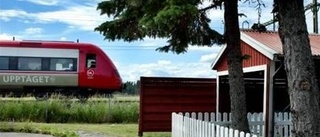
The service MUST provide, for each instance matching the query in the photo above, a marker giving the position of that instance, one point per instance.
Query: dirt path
(89, 134)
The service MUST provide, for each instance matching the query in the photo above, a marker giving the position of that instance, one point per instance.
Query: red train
(45, 67)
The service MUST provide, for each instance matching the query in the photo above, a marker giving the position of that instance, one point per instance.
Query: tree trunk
(302, 84)
(236, 81)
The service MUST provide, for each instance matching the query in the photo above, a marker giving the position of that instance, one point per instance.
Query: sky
(69, 20)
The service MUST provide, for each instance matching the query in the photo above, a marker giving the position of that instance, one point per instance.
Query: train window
(29, 63)
(74, 66)
(91, 61)
(13, 63)
(62, 64)
(4, 63)
(45, 64)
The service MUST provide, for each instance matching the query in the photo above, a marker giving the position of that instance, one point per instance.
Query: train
(41, 68)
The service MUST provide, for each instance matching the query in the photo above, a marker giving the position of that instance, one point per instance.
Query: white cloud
(6, 15)
(164, 68)
(63, 38)
(4, 36)
(78, 17)
(33, 30)
(156, 43)
(44, 2)
(216, 15)
(153, 42)
(208, 58)
(214, 48)
(83, 17)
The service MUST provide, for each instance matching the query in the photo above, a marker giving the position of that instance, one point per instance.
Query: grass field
(120, 98)
(127, 107)
(114, 130)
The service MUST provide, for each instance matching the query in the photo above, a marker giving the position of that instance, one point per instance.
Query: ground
(81, 133)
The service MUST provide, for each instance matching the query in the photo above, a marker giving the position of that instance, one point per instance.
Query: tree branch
(207, 8)
(214, 4)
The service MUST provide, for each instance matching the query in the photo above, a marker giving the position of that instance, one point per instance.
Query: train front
(100, 72)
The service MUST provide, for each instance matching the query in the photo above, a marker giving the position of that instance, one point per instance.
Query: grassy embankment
(117, 116)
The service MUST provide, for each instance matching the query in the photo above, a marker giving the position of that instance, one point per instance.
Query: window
(29, 63)
(91, 61)
(38, 64)
(13, 63)
(45, 64)
(4, 63)
(63, 64)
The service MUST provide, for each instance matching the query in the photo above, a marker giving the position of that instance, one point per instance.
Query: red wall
(256, 58)
(159, 97)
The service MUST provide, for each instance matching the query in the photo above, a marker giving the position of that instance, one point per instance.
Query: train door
(90, 69)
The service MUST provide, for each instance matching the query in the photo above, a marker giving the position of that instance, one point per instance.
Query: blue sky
(76, 19)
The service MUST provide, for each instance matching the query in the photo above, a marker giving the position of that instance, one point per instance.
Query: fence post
(213, 117)
(242, 134)
(206, 116)
(200, 117)
(218, 131)
(236, 133)
(231, 133)
(213, 129)
(173, 123)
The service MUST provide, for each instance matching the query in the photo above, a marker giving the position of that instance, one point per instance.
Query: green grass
(114, 130)
(54, 96)
(116, 117)
(66, 111)
(98, 98)
(32, 128)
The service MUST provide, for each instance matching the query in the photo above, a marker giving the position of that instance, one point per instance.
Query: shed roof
(269, 44)
(271, 39)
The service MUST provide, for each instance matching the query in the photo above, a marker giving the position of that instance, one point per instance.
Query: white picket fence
(216, 125)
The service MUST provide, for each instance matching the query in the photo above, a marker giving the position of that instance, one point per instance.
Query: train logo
(90, 73)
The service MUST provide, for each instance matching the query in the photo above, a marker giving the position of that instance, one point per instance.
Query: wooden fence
(211, 124)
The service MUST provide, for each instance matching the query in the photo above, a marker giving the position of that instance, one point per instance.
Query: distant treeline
(132, 88)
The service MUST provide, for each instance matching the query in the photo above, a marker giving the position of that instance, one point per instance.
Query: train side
(42, 67)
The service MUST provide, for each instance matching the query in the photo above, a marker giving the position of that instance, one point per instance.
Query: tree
(183, 23)
(132, 88)
(299, 65)
(234, 61)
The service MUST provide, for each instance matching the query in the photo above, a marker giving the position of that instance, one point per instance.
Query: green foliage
(125, 113)
(246, 57)
(30, 128)
(60, 111)
(132, 88)
(180, 21)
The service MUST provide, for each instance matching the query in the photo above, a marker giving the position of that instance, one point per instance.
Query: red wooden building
(160, 96)
(264, 74)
